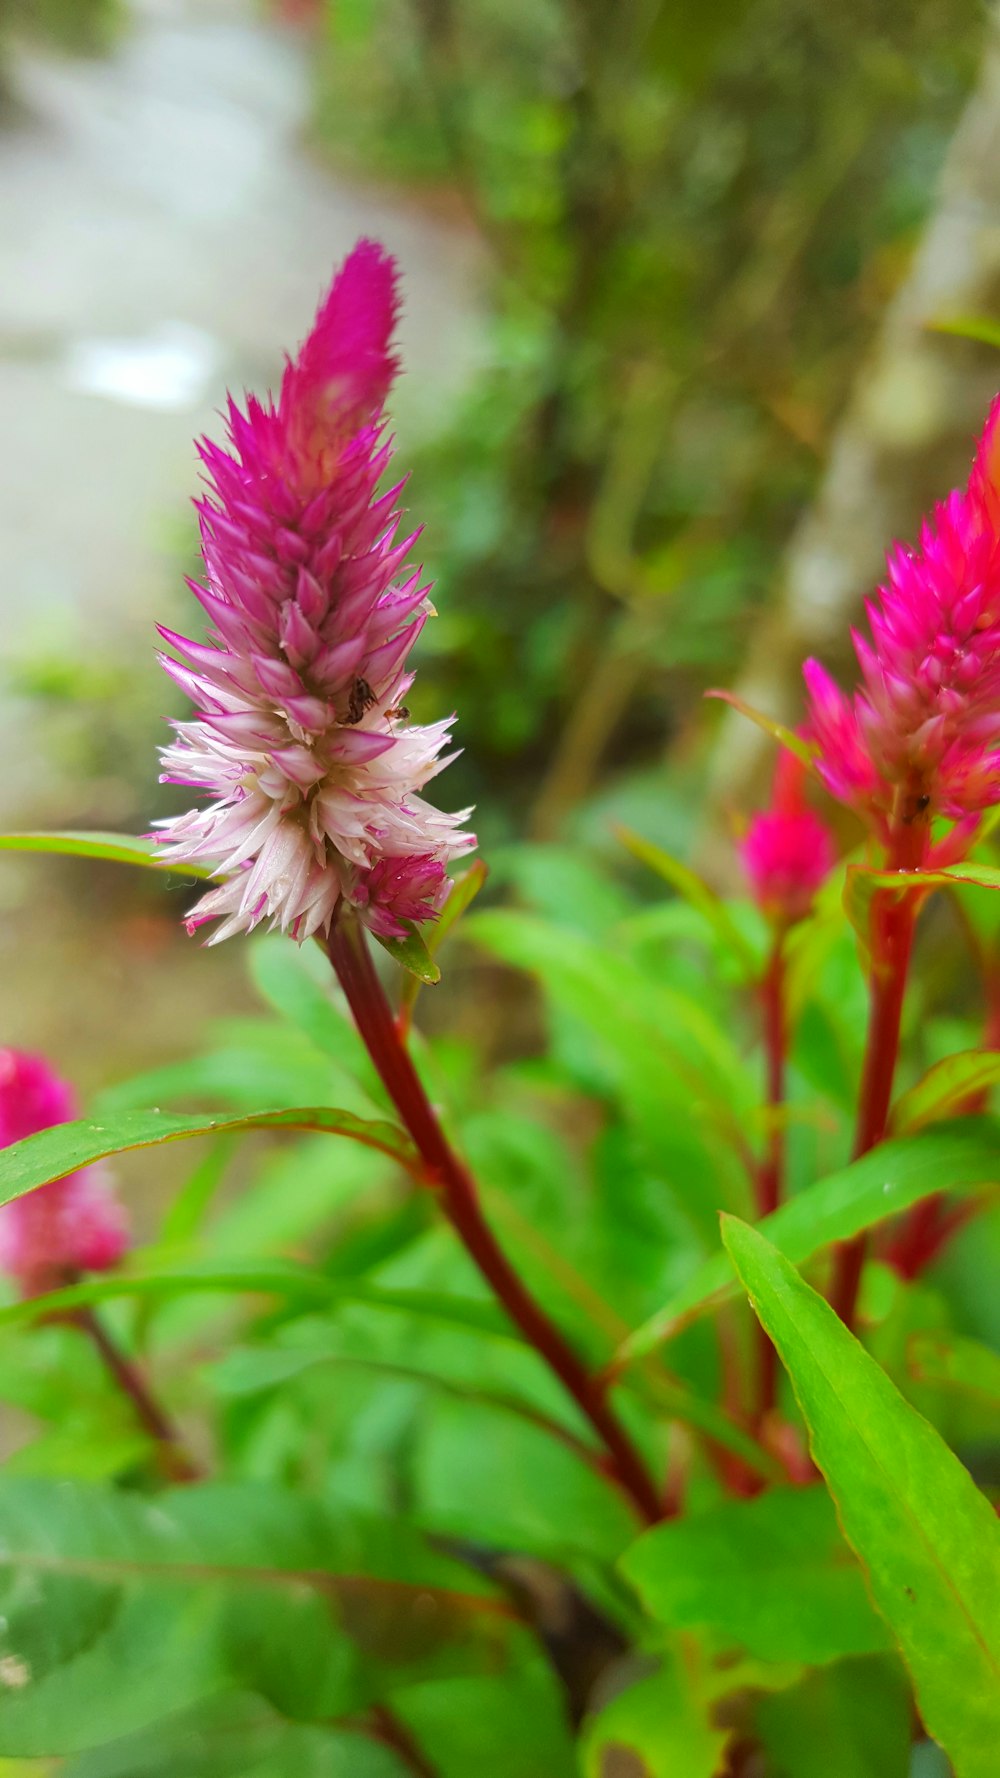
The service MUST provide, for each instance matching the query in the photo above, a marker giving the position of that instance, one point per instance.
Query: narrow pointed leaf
(118, 848)
(411, 953)
(695, 891)
(257, 1277)
(968, 327)
(928, 1539)
(952, 1362)
(464, 889)
(777, 730)
(963, 1156)
(861, 886)
(944, 1089)
(53, 1153)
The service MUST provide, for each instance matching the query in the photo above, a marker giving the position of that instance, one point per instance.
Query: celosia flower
(300, 738)
(919, 737)
(788, 850)
(73, 1225)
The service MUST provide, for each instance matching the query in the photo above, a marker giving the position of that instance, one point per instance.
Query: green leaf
(510, 1725)
(944, 1089)
(647, 1043)
(249, 1371)
(929, 1540)
(696, 892)
(190, 1207)
(802, 750)
(968, 327)
(853, 1720)
(53, 1153)
(298, 981)
(661, 1721)
(961, 1156)
(120, 1611)
(264, 1278)
(412, 954)
(119, 848)
(503, 1482)
(562, 883)
(772, 1575)
(236, 1735)
(956, 1363)
(464, 889)
(465, 886)
(861, 886)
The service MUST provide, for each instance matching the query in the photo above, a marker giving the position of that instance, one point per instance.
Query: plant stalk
(893, 919)
(771, 1175)
(456, 1190)
(175, 1461)
(390, 1731)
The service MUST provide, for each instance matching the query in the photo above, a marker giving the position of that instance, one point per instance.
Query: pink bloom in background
(300, 739)
(73, 1225)
(919, 736)
(788, 851)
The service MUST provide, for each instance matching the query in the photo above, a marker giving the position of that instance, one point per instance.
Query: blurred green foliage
(692, 218)
(82, 26)
(402, 1511)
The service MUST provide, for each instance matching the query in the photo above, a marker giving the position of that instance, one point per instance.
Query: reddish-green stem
(771, 1175)
(735, 1475)
(913, 1246)
(175, 1461)
(456, 1191)
(387, 1728)
(893, 918)
(770, 1179)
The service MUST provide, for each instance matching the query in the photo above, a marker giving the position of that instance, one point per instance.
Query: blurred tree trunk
(904, 440)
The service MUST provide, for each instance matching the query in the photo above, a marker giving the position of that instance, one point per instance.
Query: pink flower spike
(299, 740)
(918, 739)
(788, 851)
(73, 1225)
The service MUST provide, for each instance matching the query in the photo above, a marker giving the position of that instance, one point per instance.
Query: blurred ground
(164, 234)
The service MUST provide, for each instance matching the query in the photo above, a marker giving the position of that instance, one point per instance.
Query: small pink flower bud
(73, 1225)
(788, 851)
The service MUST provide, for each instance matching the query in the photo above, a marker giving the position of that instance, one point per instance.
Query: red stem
(914, 1245)
(176, 1463)
(449, 1177)
(771, 1176)
(893, 918)
(770, 1179)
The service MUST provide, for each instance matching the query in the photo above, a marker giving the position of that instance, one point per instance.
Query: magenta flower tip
(300, 742)
(788, 852)
(919, 736)
(73, 1225)
(345, 368)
